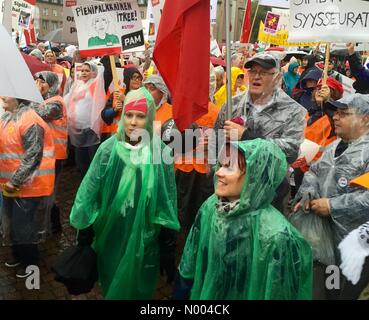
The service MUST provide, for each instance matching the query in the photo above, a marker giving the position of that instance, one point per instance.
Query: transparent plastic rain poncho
(251, 252)
(84, 102)
(128, 203)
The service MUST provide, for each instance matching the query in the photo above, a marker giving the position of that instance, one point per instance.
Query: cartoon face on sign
(101, 33)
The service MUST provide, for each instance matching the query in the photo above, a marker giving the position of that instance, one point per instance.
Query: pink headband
(138, 105)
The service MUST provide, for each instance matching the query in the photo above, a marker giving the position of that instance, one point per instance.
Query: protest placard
(284, 18)
(275, 3)
(213, 11)
(281, 39)
(271, 22)
(108, 28)
(22, 13)
(329, 21)
(69, 34)
(347, 84)
(154, 11)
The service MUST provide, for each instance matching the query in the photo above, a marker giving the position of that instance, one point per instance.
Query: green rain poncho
(251, 252)
(128, 199)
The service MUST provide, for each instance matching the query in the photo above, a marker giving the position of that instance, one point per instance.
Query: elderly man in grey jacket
(265, 111)
(326, 189)
(328, 179)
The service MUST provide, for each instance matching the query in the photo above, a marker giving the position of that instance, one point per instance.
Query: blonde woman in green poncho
(131, 203)
(240, 246)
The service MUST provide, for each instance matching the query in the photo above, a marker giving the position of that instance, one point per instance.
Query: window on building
(45, 11)
(45, 25)
(142, 14)
(55, 13)
(142, 2)
(54, 25)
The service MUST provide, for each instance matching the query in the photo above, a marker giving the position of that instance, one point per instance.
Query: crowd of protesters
(265, 226)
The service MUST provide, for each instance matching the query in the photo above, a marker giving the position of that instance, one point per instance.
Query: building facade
(237, 14)
(48, 16)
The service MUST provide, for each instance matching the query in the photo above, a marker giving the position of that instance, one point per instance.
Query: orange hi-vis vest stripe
(206, 121)
(12, 152)
(112, 128)
(59, 130)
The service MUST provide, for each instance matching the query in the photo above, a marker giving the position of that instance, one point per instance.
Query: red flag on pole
(30, 34)
(246, 27)
(182, 56)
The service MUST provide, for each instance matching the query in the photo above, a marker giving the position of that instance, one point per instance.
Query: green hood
(266, 167)
(251, 252)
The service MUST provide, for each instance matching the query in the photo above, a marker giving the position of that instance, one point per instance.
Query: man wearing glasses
(268, 113)
(327, 181)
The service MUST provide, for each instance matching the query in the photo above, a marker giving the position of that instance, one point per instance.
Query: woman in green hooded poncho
(130, 200)
(240, 247)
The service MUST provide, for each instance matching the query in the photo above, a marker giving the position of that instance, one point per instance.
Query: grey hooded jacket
(281, 121)
(329, 177)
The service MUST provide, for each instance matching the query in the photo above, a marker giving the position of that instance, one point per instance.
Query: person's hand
(10, 188)
(230, 126)
(118, 101)
(298, 206)
(323, 94)
(321, 207)
(299, 163)
(350, 48)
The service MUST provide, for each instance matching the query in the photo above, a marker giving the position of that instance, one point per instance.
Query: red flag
(182, 56)
(246, 28)
(35, 65)
(30, 34)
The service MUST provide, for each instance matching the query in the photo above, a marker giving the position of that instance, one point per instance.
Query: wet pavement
(12, 288)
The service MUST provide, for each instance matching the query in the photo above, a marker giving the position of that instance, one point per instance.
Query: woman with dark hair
(112, 111)
(240, 246)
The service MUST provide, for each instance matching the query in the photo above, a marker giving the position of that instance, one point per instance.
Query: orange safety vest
(318, 132)
(12, 153)
(164, 113)
(59, 130)
(207, 121)
(112, 128)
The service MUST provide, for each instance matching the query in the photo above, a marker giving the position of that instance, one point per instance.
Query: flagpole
(253, 21)
(228, 57)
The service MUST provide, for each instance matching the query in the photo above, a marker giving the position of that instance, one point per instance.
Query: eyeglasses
(136, 78)
(343, 114)
(262, 74)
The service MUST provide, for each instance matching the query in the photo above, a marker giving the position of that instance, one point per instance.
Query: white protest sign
(154, 11)
(284, 18)
(22, 13)
(275, 3)
(214, 48)
(108, 28)
(347, 85)
(329, 21)
(69, 26)
(213, 11)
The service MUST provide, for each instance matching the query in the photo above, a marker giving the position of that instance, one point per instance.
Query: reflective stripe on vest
(37, 173)
(59, 129)
(11, 156)
(12, 152)
(60, 141)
